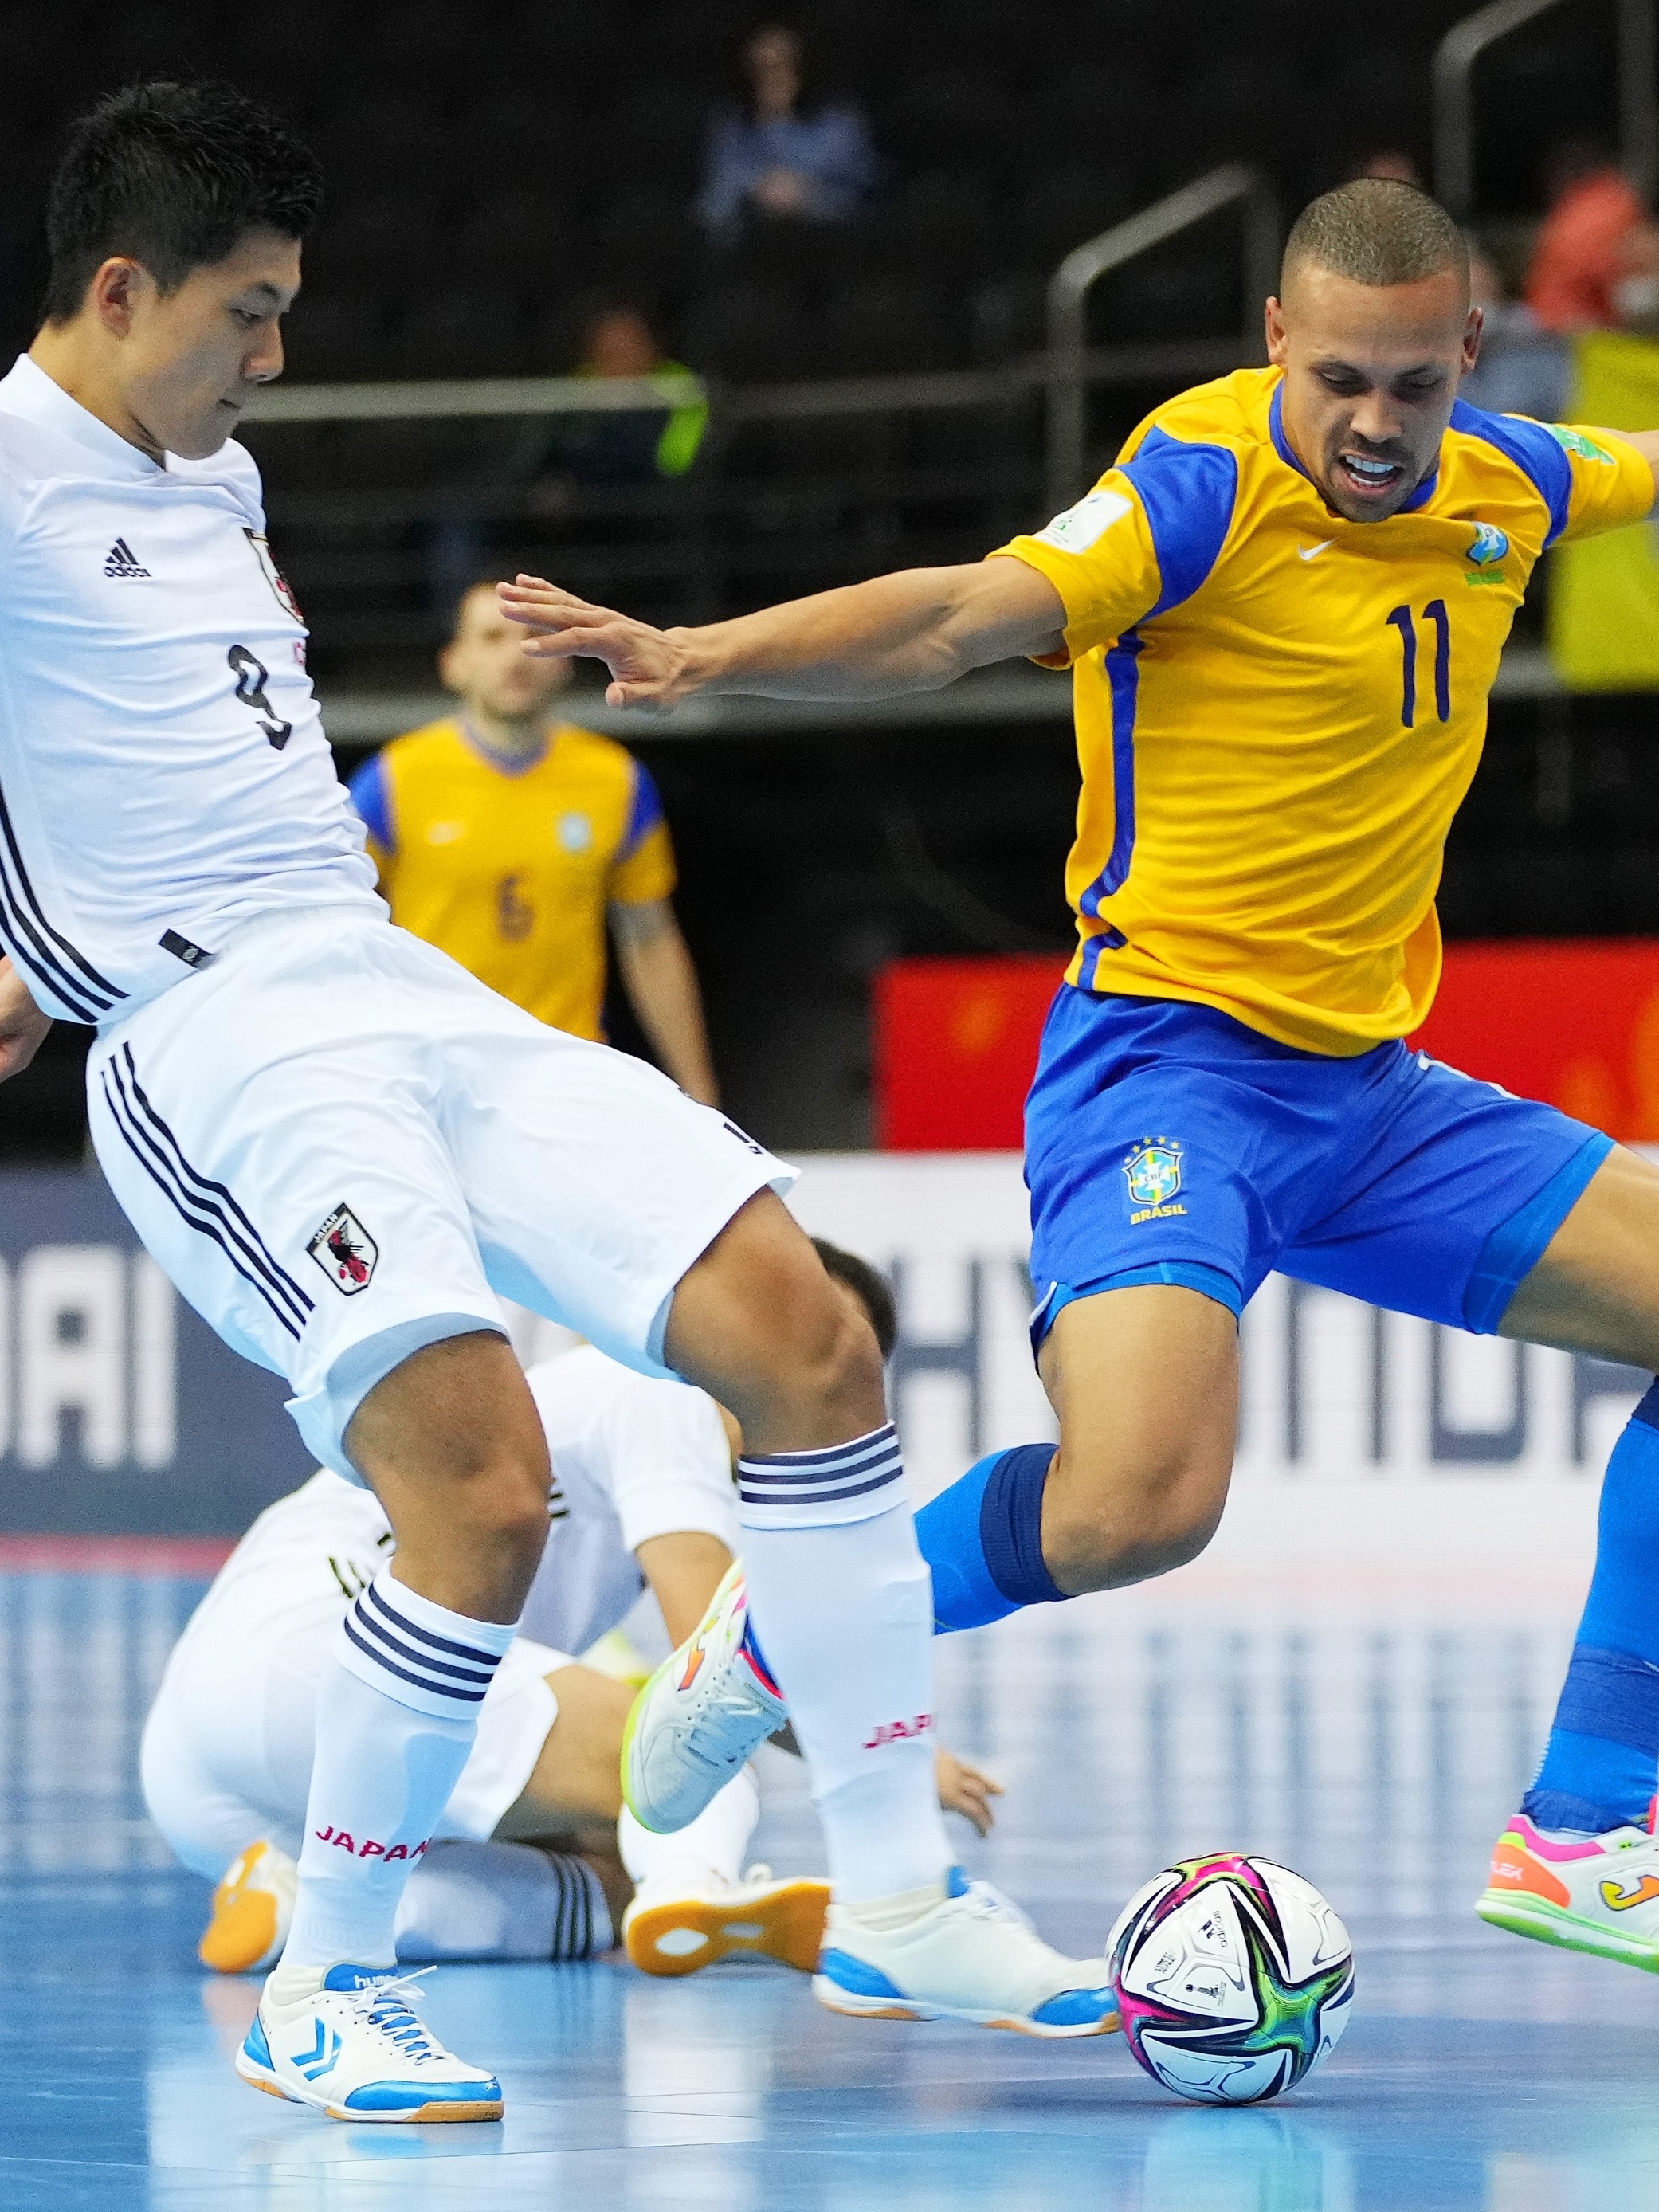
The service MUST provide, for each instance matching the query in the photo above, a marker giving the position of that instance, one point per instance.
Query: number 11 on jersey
(1401, 619)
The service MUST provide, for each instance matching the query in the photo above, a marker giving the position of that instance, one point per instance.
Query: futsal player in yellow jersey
(511, 839)
(1284, 610)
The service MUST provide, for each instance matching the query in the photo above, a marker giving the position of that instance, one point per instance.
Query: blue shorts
(1167, 1143)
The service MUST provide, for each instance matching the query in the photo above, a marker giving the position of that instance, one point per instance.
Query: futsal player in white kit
(643, 1495)
(343, 1149)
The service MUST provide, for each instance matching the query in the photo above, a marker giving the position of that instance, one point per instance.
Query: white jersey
(163, 771)
(228, 1747)
(633, 1458)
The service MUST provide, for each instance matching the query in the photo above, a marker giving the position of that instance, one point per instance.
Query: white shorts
(227, 1750)
(341, 1147)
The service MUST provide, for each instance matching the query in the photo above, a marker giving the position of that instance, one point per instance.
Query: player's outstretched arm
(23, 1025)
(913, 631)
(1646, 443)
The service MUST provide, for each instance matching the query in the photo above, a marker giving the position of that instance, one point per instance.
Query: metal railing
(1234, 185)
(1454, 105)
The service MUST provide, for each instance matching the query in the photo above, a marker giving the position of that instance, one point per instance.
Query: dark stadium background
(493, 170)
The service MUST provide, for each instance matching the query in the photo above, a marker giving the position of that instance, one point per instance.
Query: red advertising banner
(1576, 1024)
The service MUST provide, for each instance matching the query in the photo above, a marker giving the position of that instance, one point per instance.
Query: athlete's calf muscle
(1146, 1383)
(1596, 1288)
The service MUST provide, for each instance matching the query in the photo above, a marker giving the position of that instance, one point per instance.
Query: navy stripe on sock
(403, 1674)
(1010, 1526)
(379, 1637)
(438, 1643)
(1612, 1695)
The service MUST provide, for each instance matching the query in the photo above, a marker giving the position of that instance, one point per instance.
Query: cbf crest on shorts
(345, 1251)
(1152, 1172)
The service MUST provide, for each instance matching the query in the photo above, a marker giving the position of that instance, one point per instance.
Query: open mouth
(1367, 477)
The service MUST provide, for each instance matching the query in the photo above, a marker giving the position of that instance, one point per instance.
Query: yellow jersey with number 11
(1279, 711)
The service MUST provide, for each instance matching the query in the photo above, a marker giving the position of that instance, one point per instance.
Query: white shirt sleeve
(667, 1463)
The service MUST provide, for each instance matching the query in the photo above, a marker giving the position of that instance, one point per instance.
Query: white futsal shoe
(252, 1911)
(1594, 1894)
(680, 1922)
(355, 2048)
(973, 1957)
(697, 1723)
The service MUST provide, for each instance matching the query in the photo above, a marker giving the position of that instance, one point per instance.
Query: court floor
(1372, 1736)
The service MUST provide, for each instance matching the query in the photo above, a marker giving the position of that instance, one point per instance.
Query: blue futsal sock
(983, 1540)
(1599, 1770)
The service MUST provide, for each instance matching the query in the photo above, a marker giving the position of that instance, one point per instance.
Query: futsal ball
(1234, 1978)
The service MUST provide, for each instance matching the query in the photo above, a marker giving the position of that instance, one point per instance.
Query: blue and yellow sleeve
(1611, 483)
(643, 871)
(370, 793)
(1141, 542)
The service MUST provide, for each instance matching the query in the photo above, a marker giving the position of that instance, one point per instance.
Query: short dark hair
(174, 175)
(1376, 230)
(873, 1291)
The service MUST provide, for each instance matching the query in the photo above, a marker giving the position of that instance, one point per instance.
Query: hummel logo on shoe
(122, 561)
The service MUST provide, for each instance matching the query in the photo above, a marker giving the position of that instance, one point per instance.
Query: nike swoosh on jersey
(1312, 552)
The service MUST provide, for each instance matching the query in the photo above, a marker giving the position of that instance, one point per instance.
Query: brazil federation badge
(1152, 1172)
(345, 1251)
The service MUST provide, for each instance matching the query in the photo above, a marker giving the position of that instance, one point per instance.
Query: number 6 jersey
(163, 771)
(1279, 711)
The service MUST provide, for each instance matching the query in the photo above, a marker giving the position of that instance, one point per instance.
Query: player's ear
(449, 665)
(1278, 342)
(114, 293)
(1472, 330)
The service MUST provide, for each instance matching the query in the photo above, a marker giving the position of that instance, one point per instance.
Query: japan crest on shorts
(1153, 1171)
(345, 1251)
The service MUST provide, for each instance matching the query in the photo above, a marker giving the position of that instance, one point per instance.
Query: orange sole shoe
(781, 1920)
(251, 1909)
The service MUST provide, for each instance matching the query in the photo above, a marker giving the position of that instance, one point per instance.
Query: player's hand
(963, 1789)
(23, 1025)
(648, 667)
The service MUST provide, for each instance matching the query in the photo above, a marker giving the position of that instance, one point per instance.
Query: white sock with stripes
(842, 1604)
(397, 1711)
(494, 1900)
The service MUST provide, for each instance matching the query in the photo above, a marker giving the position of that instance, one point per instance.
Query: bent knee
(1109, 1522)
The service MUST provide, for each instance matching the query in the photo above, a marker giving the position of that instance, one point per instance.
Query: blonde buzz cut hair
(1377, 231)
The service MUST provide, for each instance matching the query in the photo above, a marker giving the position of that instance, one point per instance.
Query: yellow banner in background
(1603, 616)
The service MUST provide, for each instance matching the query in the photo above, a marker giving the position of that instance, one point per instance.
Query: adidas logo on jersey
(122, 562)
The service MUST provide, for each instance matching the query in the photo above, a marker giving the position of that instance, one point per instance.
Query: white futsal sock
(841, 1605)
(397, 1712)
(495, 1901)
(713, 1843)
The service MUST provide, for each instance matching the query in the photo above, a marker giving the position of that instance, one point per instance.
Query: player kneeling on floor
(530, 1860)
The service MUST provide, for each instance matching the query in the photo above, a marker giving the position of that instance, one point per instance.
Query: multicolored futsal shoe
(1594, 1894)
(253, 1909)
(675, 1925)
(355, 2048)
(695, 1724)
(974, 1957)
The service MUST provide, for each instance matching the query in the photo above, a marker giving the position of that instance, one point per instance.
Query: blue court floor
(1374, 1740)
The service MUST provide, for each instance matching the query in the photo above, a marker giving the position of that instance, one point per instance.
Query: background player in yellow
(1284, 609)
(510, 838)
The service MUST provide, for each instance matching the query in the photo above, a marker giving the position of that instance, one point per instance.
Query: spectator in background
(609, 448)
(780, 154)
(508, 839)
(1596, 235)
(1523, 368)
